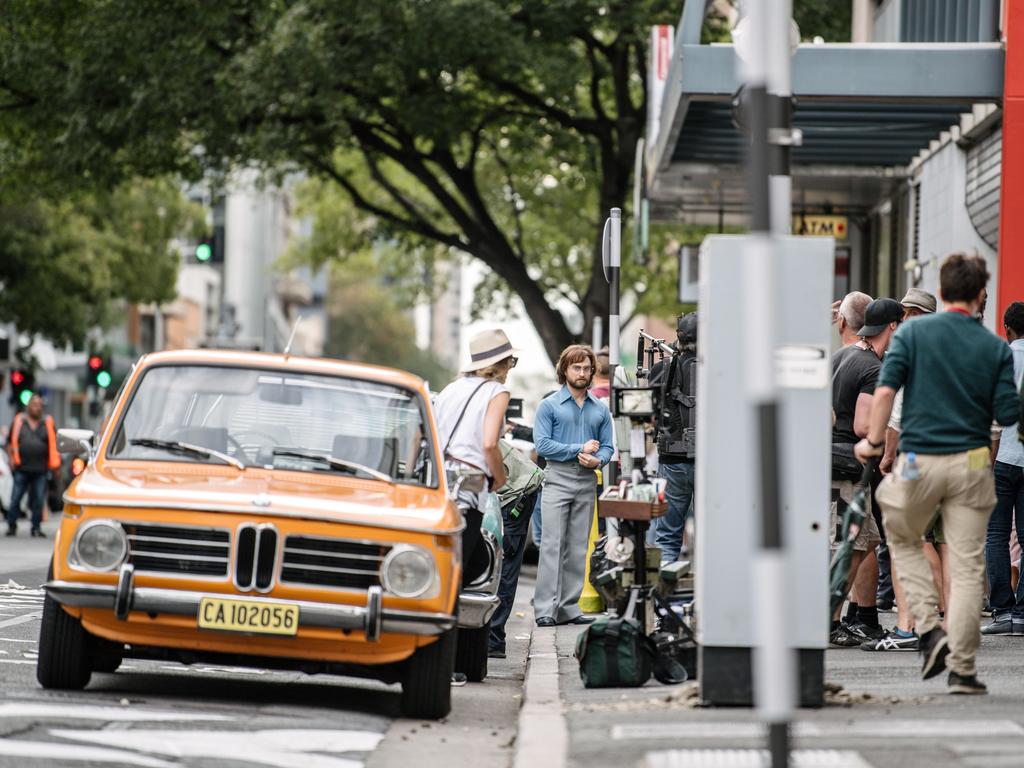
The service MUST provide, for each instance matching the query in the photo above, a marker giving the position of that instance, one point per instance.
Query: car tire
(427, 680)
(65, 650)
(471, 654)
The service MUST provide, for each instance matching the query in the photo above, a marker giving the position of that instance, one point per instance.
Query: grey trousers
(567, 507)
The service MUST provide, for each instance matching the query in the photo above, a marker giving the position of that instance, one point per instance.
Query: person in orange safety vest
(32, 448)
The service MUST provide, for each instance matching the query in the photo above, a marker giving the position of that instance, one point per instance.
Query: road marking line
(877, 729)
(60, 711)
(752, 758)
(281, 748)
(68, 752)
(20, 619)
(16, 661)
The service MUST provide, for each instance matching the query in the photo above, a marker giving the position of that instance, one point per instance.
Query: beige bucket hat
(487, 348)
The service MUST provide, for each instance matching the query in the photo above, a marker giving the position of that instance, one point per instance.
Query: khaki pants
(868, 537)
(961, 484)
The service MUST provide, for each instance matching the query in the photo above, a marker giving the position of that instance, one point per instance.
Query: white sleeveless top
(467, 444)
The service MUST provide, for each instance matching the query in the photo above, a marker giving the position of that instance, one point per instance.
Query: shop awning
(865, 110)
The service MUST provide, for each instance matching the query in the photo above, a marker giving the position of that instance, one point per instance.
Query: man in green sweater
(957, 379)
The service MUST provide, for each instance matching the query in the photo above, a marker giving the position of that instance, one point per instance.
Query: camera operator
(676, 378)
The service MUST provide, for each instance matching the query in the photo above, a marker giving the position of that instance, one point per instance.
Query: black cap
(686, 328)
(878, 314)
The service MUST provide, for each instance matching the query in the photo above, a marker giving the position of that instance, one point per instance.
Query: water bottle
(910, 469)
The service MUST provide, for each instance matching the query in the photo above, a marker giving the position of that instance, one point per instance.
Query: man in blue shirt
(573, 432)
(1007, 607)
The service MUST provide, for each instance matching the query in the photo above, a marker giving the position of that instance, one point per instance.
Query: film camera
(668, 397)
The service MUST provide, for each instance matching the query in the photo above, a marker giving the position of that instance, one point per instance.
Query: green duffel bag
(614, 653)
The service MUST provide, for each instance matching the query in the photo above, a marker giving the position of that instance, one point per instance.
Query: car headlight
(408, 572)
(101, 545)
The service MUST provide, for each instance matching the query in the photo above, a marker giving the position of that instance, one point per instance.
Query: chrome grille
(340, 563)
(186, 551)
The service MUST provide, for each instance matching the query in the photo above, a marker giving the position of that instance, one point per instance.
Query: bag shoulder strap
(458, 421)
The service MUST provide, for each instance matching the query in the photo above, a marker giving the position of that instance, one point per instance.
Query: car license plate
(229, 615)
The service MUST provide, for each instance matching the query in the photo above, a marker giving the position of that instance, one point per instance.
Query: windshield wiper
(336, 463)
(176, 446)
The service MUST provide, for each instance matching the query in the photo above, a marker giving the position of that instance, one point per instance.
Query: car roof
(296, 363)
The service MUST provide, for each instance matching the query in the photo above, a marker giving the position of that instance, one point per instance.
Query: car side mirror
(75, 441)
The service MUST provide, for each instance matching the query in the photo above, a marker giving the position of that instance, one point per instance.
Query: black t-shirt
(854, 370)
(33, 447)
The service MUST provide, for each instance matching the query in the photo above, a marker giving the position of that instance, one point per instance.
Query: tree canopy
(505, 130)
(63, 262)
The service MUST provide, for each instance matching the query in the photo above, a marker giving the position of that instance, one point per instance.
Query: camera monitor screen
(637, 402)
(515, 408)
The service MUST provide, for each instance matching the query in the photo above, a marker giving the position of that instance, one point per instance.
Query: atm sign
(821, 226)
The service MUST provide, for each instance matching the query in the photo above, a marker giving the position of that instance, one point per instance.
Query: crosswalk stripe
(752, 758)
(20, 620)
(59, 711)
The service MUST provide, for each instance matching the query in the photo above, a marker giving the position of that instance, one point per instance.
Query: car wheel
(471, 655)
(427, 679)
(65, 649)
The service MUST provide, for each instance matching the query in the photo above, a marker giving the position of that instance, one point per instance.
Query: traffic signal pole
(767, 94)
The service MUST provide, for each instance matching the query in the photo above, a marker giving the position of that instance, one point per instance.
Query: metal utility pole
(611, 256)
(768, 97)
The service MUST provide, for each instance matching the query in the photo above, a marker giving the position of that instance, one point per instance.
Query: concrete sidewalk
(885, 717)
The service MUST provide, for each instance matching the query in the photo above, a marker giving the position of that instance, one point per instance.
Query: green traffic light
(103, 379)
(203, 252)
(25, 396)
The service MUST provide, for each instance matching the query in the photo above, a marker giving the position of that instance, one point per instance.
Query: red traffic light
(17, 378)
(95, 362)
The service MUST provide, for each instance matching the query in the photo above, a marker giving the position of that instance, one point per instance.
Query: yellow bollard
(590, 601)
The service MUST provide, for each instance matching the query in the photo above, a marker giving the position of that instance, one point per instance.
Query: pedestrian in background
(675, 463)
(1007, 606)
(957, 378)
(32, 449)
(902, 637)
(573, 432)
(470, 415)
(854, 376)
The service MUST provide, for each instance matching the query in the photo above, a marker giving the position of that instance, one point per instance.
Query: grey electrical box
(727, 491)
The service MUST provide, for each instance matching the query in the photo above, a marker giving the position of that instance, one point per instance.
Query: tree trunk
(548, 321)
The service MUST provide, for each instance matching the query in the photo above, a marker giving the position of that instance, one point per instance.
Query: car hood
(257, 491)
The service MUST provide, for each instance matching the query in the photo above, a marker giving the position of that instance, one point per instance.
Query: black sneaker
(965, 685)
(934, 650)
(12, 530)
(496, 653)
(843, 637)
(1001, 624)
(865, 632)
(890, 641)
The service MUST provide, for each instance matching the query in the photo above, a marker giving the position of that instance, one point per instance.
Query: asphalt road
(161, 715)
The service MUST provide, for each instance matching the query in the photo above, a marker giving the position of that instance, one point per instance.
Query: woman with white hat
(470, 415)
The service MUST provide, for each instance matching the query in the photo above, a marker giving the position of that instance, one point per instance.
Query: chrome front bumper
(372, 618)
(476, 609)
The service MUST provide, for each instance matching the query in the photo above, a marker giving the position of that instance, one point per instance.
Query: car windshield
(297, 421)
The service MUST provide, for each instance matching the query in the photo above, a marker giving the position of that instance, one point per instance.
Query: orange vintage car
(263, 510)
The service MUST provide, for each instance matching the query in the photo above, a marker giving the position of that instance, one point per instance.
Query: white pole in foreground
(766, 76)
